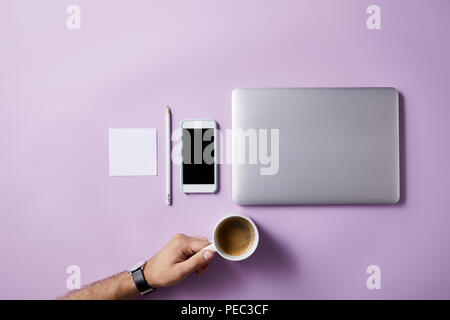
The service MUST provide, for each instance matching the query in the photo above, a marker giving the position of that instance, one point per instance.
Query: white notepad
(132, 152)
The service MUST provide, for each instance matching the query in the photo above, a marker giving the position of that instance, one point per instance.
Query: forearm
(179, 258)
(120, 286)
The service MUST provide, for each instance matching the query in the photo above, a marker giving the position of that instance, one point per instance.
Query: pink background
(61, 90)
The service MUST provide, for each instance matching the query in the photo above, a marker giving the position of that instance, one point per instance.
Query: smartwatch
(137, 272)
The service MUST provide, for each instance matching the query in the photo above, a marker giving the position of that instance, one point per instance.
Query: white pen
(168, 159)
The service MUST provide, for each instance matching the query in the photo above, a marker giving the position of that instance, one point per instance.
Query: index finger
(195, 244)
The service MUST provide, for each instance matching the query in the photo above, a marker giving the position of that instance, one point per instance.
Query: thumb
(198, 260)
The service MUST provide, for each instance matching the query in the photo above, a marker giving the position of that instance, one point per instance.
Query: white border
(199, 124)
(246, 254)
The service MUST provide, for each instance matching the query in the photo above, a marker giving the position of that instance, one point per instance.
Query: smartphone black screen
(198, 156)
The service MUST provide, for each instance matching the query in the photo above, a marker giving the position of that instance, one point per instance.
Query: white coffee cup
(216, 248)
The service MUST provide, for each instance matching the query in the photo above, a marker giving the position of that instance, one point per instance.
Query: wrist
(147, 269)
(129, 289)
(138, 276)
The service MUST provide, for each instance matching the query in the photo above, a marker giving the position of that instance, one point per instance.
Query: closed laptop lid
(335, 146)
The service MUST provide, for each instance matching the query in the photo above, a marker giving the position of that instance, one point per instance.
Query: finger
(200, 240)
(197, 261)
(202, 269)
(194, 245)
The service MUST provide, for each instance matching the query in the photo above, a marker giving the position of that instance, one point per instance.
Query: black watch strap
(140, 282)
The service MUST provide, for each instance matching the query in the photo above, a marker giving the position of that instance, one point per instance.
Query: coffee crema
(235, 236)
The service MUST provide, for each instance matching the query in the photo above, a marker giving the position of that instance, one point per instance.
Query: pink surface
(61, 90)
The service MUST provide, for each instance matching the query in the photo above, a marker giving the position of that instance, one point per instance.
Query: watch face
(137, 265)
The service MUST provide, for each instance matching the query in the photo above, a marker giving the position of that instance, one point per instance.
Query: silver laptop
(315, 146)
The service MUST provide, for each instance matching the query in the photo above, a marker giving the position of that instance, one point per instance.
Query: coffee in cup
(235, 237)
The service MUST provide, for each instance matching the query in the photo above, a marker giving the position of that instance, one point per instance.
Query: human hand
(181, 256)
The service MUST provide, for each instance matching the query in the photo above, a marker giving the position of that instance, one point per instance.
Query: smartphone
(198, 156)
